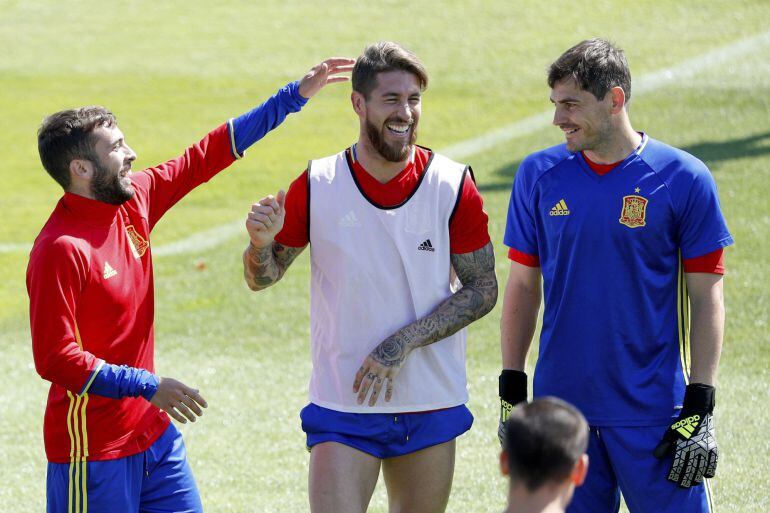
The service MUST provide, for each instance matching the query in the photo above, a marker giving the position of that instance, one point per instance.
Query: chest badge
(634, 211)
(138, 243)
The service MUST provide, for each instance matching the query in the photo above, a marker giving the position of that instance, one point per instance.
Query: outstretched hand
(178, 400)
(324, 73)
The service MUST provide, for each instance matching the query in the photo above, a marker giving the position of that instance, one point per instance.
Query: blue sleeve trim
(119, 381)
(252, 126)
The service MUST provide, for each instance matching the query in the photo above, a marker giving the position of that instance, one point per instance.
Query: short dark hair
(596, 65)
(382, 57)
(544, 440)
(67, 135)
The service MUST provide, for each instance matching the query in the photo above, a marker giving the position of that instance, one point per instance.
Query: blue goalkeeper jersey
(614, 337)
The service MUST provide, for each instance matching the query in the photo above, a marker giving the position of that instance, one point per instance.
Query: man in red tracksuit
(108, 438)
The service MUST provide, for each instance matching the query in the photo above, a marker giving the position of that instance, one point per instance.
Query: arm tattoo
(476, 271)
(263, 267)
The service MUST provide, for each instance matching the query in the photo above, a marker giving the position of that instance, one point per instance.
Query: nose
(405, 111)
(558, 116)
(131, 155)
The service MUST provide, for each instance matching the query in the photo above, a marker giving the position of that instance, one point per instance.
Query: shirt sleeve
(520, 228)
(55, 276)
(701, 225)
(295, 225)
(161, 187)
(711, 263)
(468, 227)
(164, 185)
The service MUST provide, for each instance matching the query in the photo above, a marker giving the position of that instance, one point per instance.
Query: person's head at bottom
(544, 455)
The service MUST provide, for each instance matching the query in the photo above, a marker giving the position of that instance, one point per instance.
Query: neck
(548, 498)
(81, 189)
(617, 144)
(374, 164)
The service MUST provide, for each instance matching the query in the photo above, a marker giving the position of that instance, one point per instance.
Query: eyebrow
(565, 100)
(397, 95)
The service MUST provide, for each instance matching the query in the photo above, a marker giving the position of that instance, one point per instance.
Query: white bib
(375, 270)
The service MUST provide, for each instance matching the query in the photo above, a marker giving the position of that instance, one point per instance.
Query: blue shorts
(384, 435)
(621, 460)
(158, 480)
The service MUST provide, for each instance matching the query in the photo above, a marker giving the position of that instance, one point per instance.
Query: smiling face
(390, 114)
(110, 182)
(585, 121)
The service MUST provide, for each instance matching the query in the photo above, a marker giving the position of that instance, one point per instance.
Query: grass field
(173, 70)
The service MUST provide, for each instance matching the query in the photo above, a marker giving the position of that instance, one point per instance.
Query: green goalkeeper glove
(692, 438)
(513, 390)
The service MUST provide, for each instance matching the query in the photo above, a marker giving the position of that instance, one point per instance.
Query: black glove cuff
(513, 386)
(699, 397)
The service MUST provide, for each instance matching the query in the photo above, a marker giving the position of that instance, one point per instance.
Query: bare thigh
(342, 479)
(420, 482)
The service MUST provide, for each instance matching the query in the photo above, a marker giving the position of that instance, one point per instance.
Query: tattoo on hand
(391, 352)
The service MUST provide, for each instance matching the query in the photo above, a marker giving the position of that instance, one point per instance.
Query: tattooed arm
(263, 266)
(265, 260)
(476, 271)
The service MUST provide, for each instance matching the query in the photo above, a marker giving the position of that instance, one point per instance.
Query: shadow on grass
(713, 153)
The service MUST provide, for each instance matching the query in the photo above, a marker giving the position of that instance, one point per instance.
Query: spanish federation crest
(634, 211)
(138, 243)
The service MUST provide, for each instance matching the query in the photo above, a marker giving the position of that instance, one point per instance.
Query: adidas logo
(686, 427)
(560, 209)
(109, 272)
(350, 220)
(426, 246)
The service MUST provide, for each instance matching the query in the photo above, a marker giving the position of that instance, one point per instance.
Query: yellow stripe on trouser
(77, 487)
(683, 322)
(77, 496)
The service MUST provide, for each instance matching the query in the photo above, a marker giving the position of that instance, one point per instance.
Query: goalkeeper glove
(512, 390)
(691, 438)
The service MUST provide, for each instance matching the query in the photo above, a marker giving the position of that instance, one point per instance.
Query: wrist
(259, 247)
(699, 397)
(512, 386)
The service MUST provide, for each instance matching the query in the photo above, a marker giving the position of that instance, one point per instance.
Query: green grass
(172, 71)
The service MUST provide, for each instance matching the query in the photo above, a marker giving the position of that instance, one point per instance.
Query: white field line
(215, 236)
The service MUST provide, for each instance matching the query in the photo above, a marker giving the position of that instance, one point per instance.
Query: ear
(618, 99)
(81, 169)
(504, 463)
(580, 471)
(359, 103)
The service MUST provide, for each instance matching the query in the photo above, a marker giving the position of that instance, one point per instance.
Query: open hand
(178, 400)
(324, 73)
(380, 368)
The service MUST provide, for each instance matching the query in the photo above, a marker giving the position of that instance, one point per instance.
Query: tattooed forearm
(263, 267)
(476, 271)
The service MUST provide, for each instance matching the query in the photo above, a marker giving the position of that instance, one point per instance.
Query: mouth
(569, 131)
(399, 129)
(125, 172)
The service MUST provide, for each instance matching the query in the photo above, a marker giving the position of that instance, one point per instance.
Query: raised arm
(478, 295)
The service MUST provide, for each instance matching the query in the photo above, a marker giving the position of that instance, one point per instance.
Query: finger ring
(371, 376)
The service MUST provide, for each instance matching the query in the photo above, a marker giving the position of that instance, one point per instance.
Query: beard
(106, 186)
(391, 153)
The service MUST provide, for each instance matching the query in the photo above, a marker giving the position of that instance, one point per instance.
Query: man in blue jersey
(627, 234)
